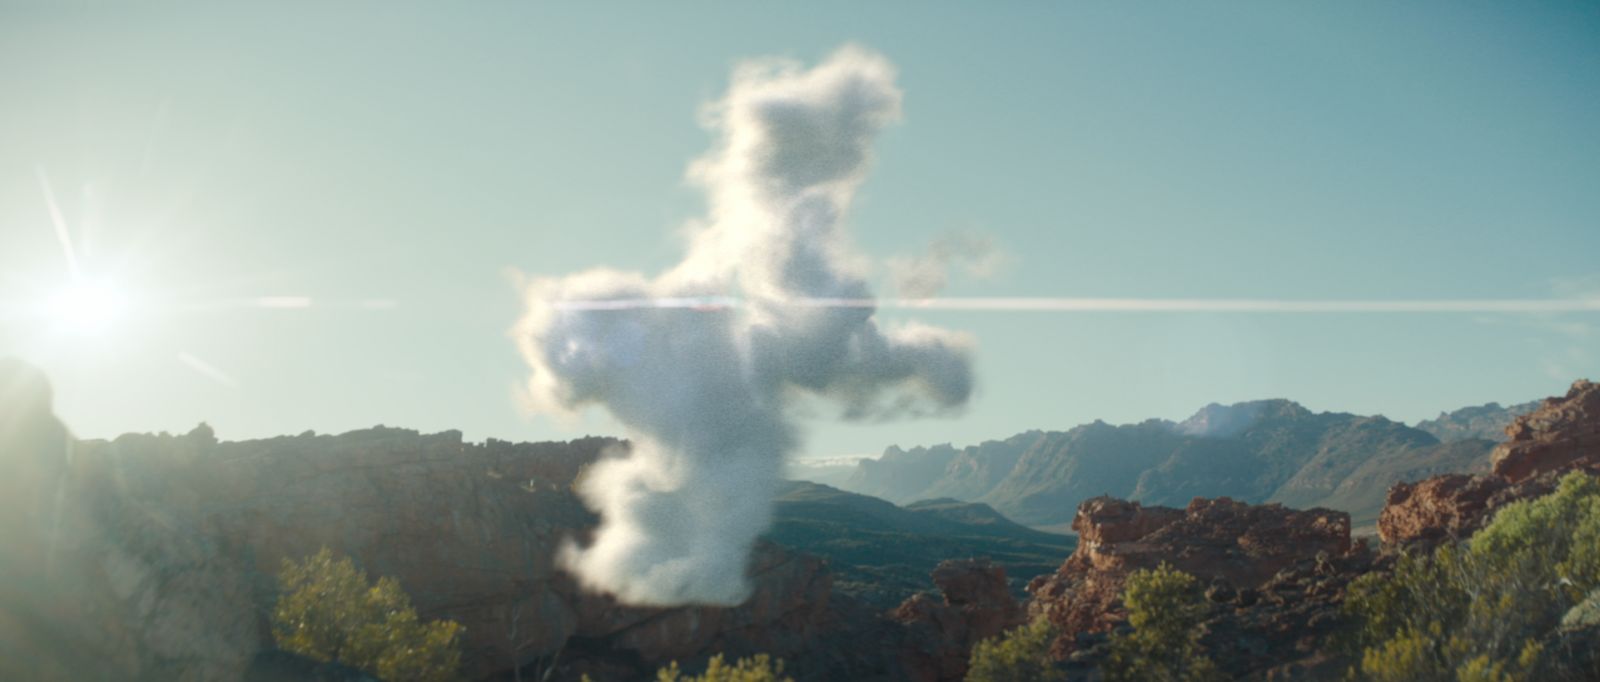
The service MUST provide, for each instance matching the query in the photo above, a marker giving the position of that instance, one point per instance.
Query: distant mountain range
(1484, 421)
(1258, 451)
(882, 553)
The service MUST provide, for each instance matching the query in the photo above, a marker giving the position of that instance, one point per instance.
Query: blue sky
(417, 155)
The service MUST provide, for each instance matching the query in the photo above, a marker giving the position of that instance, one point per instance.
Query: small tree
(1019, 655)
(759, 669)
(1166, 610)
(328, 612)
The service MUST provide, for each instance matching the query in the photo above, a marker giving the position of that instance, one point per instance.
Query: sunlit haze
(88, 307)
(275, 221)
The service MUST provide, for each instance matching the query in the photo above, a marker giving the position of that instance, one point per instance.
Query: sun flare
(87, 307)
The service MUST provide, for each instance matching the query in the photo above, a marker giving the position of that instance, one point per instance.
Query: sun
(87, 307)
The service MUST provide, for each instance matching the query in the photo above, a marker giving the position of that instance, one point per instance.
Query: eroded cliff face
(1561, 435)
(1274, 578)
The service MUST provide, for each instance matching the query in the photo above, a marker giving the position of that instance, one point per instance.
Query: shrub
(761, 668)
(1480, 610)
(1166, 610)
(329, 612)
(1019, 655)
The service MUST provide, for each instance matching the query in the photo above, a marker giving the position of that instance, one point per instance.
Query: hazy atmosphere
(280, 198)
(878, 342)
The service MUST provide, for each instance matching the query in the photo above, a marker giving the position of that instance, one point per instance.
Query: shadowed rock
(977, 605)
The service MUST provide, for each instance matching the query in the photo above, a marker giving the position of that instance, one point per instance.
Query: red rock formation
(1275, 573)
(1448, 506)
(1562, 435)
(977, 605)
(1212, 539)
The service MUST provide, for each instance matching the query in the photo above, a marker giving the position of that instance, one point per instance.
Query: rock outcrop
(1451, 507)
(1562, 435)
(977, 604)
(1275, 577)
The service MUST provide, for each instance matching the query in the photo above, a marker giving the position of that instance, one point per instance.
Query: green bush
(328, 612)
(1480, 610)
(1166, 609)
(1020, 655)
(759, 669)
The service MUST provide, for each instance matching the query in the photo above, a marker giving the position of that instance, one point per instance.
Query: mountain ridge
(1271, 450)
(1487, 421)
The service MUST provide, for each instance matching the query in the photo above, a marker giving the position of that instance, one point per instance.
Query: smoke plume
(704, 391)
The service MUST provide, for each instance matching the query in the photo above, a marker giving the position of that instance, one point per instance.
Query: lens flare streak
(1112, 305)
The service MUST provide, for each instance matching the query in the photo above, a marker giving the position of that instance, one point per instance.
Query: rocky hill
(1483, 422)
(1270, 450)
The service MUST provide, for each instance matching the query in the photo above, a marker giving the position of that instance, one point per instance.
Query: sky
(396, 166)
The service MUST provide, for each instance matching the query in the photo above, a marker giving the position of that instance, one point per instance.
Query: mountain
(883, 553)
(1487, 422)
(902, 475)
(1257, 451)
(976, 470)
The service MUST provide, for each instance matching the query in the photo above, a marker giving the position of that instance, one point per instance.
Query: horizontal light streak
(1115, 305)
(283, 302)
